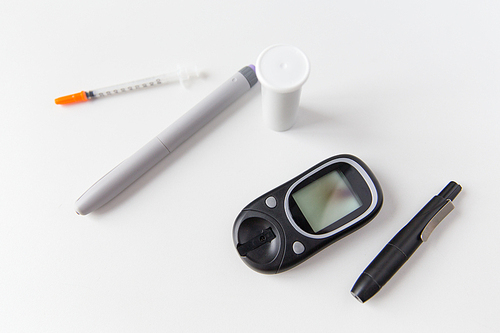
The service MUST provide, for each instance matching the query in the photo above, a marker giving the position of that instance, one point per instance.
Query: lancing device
(400, 248)
(155, 150)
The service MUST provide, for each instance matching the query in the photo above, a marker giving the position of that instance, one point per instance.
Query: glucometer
(296, 220)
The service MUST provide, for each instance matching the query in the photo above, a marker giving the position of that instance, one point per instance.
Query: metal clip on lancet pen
(172, 137)
(399, 249)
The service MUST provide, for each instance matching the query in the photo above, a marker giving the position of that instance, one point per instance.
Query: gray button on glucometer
(271, 202)
(298, 247)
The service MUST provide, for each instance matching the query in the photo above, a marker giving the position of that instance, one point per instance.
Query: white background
(410, 87)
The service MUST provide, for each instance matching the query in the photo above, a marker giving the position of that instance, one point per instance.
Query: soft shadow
(308, 117)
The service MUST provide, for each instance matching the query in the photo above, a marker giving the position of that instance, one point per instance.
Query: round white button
(271, 202)
(298, 247)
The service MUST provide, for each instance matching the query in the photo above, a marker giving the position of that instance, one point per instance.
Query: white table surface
(412, 88)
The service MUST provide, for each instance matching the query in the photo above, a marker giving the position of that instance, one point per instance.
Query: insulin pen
(395, 254)
(180, 75)
(172, 137)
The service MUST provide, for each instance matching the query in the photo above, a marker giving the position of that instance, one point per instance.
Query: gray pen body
(203, 112)
(172, 137)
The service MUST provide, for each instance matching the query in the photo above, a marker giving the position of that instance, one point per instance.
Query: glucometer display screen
(326, 200)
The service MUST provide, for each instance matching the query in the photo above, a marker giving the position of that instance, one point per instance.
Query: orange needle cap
(75, 98)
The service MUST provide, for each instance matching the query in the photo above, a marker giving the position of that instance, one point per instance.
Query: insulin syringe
(180, 75)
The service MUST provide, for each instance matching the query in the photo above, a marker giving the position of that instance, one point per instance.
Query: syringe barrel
(181, 74)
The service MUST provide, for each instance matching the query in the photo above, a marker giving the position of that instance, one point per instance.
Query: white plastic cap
(281, 70)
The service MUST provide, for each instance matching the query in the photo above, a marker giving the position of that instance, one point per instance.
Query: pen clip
(436, 219)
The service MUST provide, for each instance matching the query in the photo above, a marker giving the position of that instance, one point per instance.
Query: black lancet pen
(394, 255)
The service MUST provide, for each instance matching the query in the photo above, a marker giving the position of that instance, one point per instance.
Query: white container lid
(282, 68)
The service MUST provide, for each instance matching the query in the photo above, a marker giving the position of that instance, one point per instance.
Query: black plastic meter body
(296, 220)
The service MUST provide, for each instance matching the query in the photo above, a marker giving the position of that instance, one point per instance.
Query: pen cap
(281, 70)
